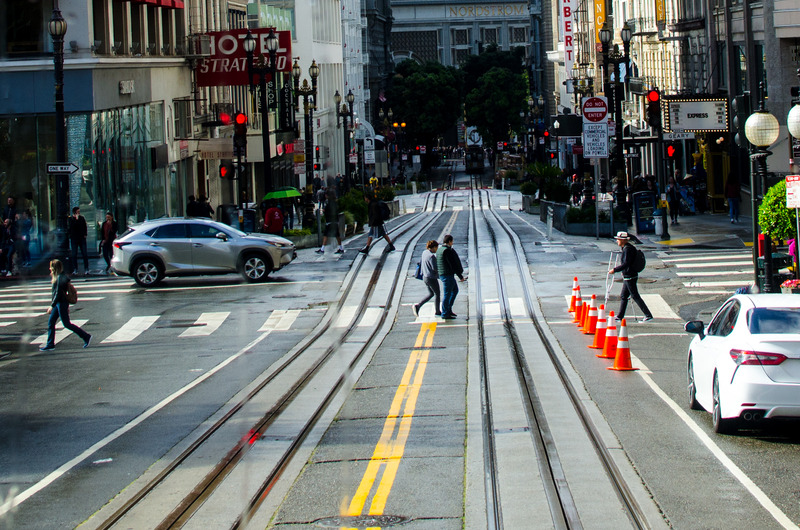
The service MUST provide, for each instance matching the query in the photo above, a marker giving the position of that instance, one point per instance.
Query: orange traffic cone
(610, 345)
(578, 307)
(622, 361)
(575, 291)
(591, 320)
(600, 331)
(582, 315)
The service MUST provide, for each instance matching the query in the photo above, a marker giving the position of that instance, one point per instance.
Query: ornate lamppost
(615, 91)
(264, 68)
(58, 28)
(309, 95)
(761, 130)
(344, 112)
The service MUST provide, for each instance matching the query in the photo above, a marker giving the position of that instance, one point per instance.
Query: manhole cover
(361, 521)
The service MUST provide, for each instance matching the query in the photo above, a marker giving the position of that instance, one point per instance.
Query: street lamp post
(401, 136)
(793, 124)
(615, 58)
(556, 126)
(265, 67)
(761, 130)
(58, 28)
(309, 95)
(343, 113)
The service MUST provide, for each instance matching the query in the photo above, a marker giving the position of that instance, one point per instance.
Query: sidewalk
(705, 231)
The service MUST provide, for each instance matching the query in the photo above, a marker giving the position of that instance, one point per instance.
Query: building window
(460, 37)
(489, 35)
(23, 28)
(518, 35)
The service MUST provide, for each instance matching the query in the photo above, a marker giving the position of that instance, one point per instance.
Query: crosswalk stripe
(4, 324)
(131, 329)
(27, 314)
(61, 332)
(711, 291)
(733, 283)
(280, 320)
(714, 273)
(659, 307)
(345, 316)
(517, 307)
(206, 324)
(491, 310)
(714, 264)
(706, 257)
(370, 317)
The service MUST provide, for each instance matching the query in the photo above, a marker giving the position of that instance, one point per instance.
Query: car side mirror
(695, 326)
(222, 236)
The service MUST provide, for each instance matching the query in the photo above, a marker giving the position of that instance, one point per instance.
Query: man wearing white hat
(629, 278)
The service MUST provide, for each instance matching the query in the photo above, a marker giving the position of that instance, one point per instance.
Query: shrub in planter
(353, 203)
(528, 188)
(774, 217)
(297, 232)
(512, 174)
(386, 194)
(555, 190)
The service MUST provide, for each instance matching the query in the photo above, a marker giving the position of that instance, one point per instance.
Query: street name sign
(679, 136)
(61, 168)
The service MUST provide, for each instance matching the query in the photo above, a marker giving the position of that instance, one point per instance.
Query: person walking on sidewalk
(59, 308)
(673, 200)
(449, 266)
(78, 230)
(733, 194)
(629, 278)
(430, 276)
(375, 221)
(108, 230)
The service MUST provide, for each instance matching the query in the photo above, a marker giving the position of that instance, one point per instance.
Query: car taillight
(741, 357)
(120, 244)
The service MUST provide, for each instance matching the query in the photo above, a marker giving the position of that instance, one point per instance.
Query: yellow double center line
(391, 445)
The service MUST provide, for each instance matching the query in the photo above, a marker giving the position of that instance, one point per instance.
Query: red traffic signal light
(317, 167)
(241, 118)
(654, 109)
(226, 170)
(225, 118)
(653, 96)
(552, 156)
(547, 134)
(240, 129)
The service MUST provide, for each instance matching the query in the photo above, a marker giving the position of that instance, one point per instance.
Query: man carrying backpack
(375, 220)
(632, 264)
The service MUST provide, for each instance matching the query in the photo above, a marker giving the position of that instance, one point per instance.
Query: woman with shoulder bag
(59, 307)
(430, 275)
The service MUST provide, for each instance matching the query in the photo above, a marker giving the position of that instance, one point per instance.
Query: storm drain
(361, 521)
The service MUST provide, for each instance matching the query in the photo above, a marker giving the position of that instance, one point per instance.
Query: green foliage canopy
(774, 217)
(493, 106)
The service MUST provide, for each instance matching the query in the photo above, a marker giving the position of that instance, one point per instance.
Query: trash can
(644, 205)
(659, 224)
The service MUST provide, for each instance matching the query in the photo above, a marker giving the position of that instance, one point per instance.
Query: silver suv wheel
(255, 268)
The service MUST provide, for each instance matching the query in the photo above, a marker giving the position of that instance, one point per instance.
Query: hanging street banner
(567, 11)
(226, 63)
(599, 20)
(595, 127)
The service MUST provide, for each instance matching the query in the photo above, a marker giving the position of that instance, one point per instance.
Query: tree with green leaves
(774, 217)
(493, 106)
(427, 97)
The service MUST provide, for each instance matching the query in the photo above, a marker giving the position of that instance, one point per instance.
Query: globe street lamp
(557, 126)
(345, 112)
(309, 95)
(58, 28)
(761, 130)
(264, 69)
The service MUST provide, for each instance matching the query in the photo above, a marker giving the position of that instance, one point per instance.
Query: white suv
(189, 247)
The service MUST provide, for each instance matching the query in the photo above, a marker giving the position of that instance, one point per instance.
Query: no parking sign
(793, 191)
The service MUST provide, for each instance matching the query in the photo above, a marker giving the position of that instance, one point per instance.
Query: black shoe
(390, 248)
(364, 250)
(339, 251)
(47, 348)
(415, 309)
(319, 251)
(438, 313)
(449, 317)
(88, 341)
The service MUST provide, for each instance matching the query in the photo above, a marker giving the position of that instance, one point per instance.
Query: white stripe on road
(707, 257)
(345, 316)
(659, 307)
(131, 329)
(26, 314)
(718, 453)
(61, 332)
(280, 320)
(66, 467)
(517, 307)
(711, 291)
(206, 324)
(712, 273)
(733, 283)
(716, 264)
(371, 317)
(491, 310)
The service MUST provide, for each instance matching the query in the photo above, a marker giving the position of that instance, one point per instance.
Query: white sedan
(745, 365)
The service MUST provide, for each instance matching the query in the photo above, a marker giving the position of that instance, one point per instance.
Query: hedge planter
(590, 229)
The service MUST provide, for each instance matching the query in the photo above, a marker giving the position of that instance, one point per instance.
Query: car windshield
(783, 320)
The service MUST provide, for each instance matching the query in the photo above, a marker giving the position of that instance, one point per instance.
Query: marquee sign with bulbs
(696, 114)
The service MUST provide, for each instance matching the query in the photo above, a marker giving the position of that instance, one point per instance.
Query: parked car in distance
(745, 365)
(152, 250)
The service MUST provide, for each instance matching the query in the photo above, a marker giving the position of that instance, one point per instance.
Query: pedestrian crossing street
(706, 272)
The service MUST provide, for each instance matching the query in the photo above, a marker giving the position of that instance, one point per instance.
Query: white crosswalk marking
(346, 316)
(131, 329)
(61, 332)
(713, 273)
(716, 264)
(206, 324)
(517, 307)
(280, 320)
(491, 309)
(655, 302)
(370, 317)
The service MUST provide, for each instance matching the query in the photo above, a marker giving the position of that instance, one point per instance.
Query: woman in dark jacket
(59, 308)
(108, 231)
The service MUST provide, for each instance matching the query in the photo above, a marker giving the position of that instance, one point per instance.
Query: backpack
(386, 213)
(72, 294)
(418, 271)
(639, 262)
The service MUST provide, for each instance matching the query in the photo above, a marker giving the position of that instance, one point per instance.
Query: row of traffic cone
(591, 320)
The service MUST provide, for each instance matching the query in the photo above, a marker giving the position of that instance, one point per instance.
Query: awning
(171, 4)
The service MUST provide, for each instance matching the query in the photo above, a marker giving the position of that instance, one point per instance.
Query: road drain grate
(361, 521)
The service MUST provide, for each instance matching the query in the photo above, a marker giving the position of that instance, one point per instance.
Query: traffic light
(740, 107)
(225, 118)
(317, 167)
(546, 135)
(654, 109)
(240, 130)
(552, 155)
(226, 170)
(316, 153)
(673, 151)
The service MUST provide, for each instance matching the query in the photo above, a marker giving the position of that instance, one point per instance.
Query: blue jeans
(733, 208)
(449, 292)
(61, 310)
